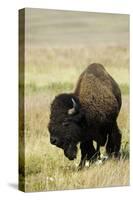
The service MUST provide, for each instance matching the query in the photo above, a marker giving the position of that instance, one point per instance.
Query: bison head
(65, 134)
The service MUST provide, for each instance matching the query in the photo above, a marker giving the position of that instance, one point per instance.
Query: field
(55, 68)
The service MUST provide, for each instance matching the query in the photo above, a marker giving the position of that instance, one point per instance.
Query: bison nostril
(53, 140)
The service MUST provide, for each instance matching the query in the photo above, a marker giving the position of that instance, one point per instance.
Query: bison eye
(65, 123)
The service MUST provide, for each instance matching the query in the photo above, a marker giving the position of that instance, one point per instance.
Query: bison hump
(97, 99)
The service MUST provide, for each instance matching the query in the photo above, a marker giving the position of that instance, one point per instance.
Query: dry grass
(66, 177)
(45, 165)
(64, 64)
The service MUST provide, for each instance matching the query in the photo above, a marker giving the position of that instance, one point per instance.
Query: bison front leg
(88, 152)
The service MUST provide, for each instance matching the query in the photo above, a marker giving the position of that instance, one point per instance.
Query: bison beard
(89, 114)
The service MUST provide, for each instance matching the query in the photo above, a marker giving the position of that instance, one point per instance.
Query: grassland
(46, 167)
(51, 70)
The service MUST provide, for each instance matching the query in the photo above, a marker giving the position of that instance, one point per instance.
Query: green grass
(124, 89)
(58, 87)
(55, 87)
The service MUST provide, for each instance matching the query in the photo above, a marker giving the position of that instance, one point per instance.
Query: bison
(86, 115)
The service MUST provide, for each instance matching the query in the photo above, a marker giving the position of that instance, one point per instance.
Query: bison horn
(73, 109)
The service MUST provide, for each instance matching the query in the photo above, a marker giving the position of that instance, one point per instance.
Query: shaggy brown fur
(99, 95)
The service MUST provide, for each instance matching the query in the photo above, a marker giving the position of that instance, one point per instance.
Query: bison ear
(74, 109)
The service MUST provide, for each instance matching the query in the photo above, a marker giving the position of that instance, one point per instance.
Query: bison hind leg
(114, 141)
